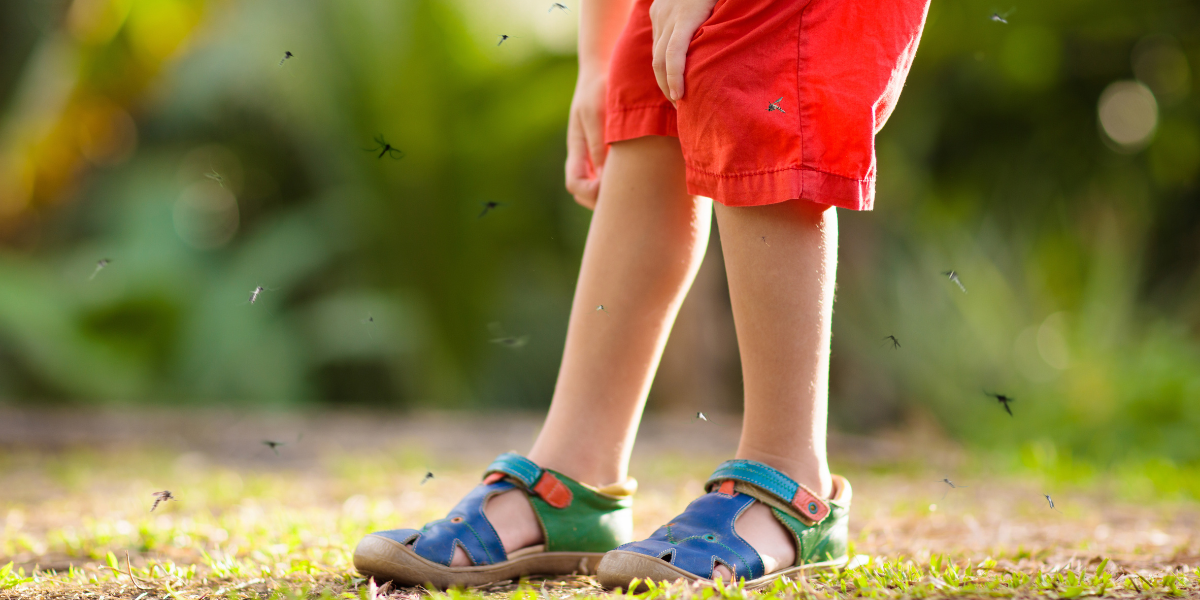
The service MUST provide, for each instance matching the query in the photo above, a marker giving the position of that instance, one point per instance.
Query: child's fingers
(578, 166)
(583, 188)
(592, 120)
(660, 58)
(597, 149)
(656, 20)
(676, 56)
(581, 177)
(588, 192)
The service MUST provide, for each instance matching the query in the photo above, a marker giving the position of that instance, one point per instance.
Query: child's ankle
(812, 473)
(586, 470)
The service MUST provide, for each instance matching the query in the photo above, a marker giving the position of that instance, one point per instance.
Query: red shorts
(839, 66)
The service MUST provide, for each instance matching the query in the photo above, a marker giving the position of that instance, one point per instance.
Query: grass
(75, 522)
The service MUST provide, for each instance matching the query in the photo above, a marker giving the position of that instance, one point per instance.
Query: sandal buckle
(809, 505)
(553, 491)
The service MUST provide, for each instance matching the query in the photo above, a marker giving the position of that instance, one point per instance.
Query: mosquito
(274, 446)
(506, 340)
(385, 148)
(487, 206)
(700, 417)
(427, 477)
(162, 496)
(764, 239)
(286, 55)
(254, 293)
(558, 5)
(895, 342)
(775, 105)
(100, 264)
(504, 37)
(215, 176)
(600, 307)
(1051, 501)
(953, 275)
(1002, 399)
(952, 487)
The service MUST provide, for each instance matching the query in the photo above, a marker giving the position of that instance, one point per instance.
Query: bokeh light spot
(107, 134)
(1027, 357)
(206, 216)
(1159, 62)
(1052, 344)
(204, 162)
(158, 28)
(1128, 114)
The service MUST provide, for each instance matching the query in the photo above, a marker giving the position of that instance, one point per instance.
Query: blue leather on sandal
(466, 525)
(703, 536)
(581, 529)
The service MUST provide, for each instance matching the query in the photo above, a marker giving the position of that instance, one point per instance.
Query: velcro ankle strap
(812, 508)
(537, 480)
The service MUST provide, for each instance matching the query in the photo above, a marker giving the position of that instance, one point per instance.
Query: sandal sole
(620, 567)
(388, 560)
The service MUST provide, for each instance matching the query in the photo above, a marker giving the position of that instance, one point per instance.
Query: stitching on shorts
(799, 106)
(769, 171)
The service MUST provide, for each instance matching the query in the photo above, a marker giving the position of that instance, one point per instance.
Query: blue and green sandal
(579, 524)
(694, 543)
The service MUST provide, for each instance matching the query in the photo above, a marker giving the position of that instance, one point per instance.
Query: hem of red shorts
(773, 187)
(631, 122)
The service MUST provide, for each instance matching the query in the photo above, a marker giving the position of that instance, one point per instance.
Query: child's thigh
(835, 67)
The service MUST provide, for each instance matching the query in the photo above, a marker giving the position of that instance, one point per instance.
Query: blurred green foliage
(1081, 257)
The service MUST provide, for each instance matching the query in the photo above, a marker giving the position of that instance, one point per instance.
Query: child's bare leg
(782, 295)
(645, 244)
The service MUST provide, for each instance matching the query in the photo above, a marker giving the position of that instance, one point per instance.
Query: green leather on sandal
(580, 524)
(703, 537)
(818, 542)
(822, 542)
(594, 522)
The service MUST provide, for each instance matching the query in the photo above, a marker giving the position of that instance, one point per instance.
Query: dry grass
(76, 493)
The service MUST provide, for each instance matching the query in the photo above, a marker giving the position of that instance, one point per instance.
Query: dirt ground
(75, 485)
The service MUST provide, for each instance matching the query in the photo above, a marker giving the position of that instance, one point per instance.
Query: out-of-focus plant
(379, 276)
(1051, 161)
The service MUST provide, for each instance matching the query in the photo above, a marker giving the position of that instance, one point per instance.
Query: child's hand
(585, 139)
(675, 22)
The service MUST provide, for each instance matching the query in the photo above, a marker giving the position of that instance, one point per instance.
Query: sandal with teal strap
(579, 524)
(693, 544)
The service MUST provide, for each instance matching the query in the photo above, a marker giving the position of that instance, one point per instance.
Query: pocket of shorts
(708, 21)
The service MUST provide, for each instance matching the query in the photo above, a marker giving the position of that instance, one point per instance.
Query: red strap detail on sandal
(553, 491)
(727, 487)
(810, 505)
(493, 478)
